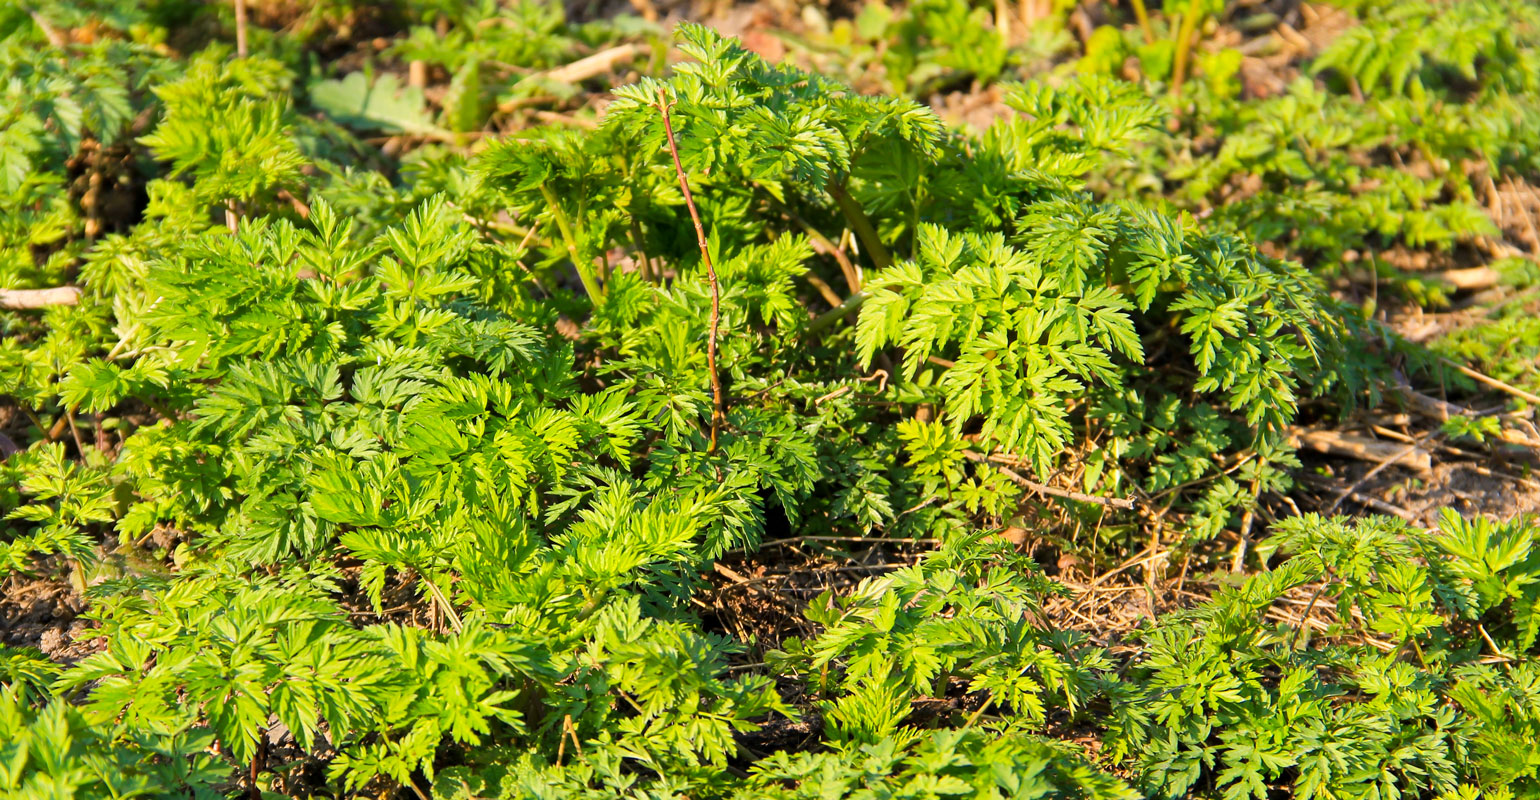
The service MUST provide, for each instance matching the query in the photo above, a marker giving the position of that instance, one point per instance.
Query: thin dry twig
(1143, 557)
(1492, 382)
(51, 33)
(1239, 561)
(1378, 468)
(300, 206)
(1496, 651)
(872, 540)
(1365, 449)
(1382, 506)
(568, 730)
(734, 575)
(566, 119)
(1365, 500)
(240, 28)
(1114, 502)
(594, 65)
(1470, 278)
(39, 298)
(444, 604)
(719, 406)
(80, 443)
(1529, 223)
(824, 289)
(578, 71)
(1309, 607)
(822, 244)
(1442, 411)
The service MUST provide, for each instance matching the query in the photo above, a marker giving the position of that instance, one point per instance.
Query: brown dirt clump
(41, 613)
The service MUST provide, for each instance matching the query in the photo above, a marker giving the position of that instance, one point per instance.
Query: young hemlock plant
(414, 481)
(1390, 140)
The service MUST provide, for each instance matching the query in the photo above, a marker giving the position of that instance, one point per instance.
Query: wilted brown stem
(719, 409)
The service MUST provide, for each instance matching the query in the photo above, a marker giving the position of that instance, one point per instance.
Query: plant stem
(159, 408)
(240, 28)
(1305, 620)
(862, 225)
(641, 254)
(49, 31)
(1029, 12)
(80, 444)
(719, 409)
(1143, 15)
(585, 271)
(1238, 562)
(1184, 45)
(442, 602)
(39, 298)
(822, 244)
(974, 717)
(258, 765)
(37, 422)
(1081, 497)
(835, 314)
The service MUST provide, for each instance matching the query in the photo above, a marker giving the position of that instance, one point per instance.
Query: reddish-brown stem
(719, 410)
(60, 425)
(258, 765)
